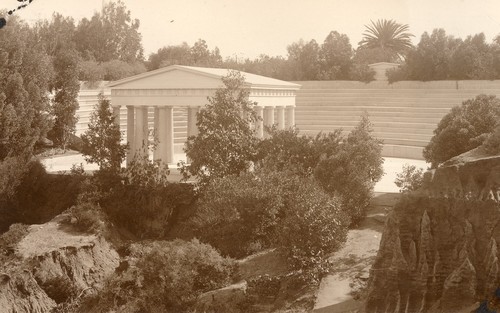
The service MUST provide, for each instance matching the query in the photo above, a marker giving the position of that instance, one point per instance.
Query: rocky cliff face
(439, 250)
(51, 264)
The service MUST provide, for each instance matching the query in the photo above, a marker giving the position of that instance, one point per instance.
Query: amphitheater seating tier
(404, 114)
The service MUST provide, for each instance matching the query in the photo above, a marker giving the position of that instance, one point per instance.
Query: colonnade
(138, 126)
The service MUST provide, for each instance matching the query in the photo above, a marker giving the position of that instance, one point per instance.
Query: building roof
(252, 80)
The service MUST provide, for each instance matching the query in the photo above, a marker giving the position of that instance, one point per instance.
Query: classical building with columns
(165, 102)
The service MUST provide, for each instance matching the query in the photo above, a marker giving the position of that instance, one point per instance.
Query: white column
(192, 129)
(268, 117)
(290, 116)
(280, 116)
(259, 124)
(156, 136)
(141, 130)
(166, 134)
(130, 133)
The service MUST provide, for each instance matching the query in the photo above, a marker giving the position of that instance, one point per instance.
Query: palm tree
(388, 36)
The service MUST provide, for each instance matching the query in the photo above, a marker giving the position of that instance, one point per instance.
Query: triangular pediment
(168, 78)
(188, 77)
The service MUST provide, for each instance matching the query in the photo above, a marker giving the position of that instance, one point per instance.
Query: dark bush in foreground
(163, 276)
(36, 197)
(464, 128)
(240, 215)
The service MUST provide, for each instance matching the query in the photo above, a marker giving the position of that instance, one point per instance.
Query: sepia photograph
(264, 156)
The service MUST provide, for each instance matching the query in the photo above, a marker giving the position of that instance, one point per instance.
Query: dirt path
(338, 292)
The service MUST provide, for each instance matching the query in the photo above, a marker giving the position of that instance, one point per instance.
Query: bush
(164, 276)
(464, 128)
(352, 172)
(36, 197)
(492, 143)
(410, 179)
(88, 217)
(286, 150)
(275, 209)
(313, 226)
(236, 214)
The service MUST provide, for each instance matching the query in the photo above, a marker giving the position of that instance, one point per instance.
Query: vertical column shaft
(192, 129)
(290, 116)
(166, 134)
(280, 116)
(268, 117)
(130, 133)
(259, 124)
(141, 130)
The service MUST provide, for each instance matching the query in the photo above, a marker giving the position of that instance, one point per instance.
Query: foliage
(144, 202)
(391, 37)
(304, 58)
(314, 225)
(225, 142)
(102, 141)
(410, 179)
(286, 150)
(275, 209)
(242, 207)
(36, 196)
(168, 276)
(183, 54)
(464, 128)
(25, 73)
(88, 217)
(492, 143)
(335, 57)
(111, 34)
(66, 88)
(442, 57)
(352, 172)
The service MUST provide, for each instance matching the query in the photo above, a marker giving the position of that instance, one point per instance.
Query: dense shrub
(492, 143)
(464, 128)
(313, 226)
(352, 172)
(286, 150)
(239, 214)
(163, 276)
(35, 196)
(410, 179)
(87, 217)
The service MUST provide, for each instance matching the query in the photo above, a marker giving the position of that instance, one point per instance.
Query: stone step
(322, 117)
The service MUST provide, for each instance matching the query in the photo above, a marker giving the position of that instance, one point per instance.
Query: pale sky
(247, 28)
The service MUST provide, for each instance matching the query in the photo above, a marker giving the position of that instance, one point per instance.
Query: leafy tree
(464, 128)
(335, 56)
(101, 143)
(170, 55)
(56, 34)
(352, 172)
(66, 87)
(225, 142)
(110, 35)
(492, 143)
(393, 38)
(304, 58)
(25, 73)
(410, 179)
(197, 55)
(473, 59)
